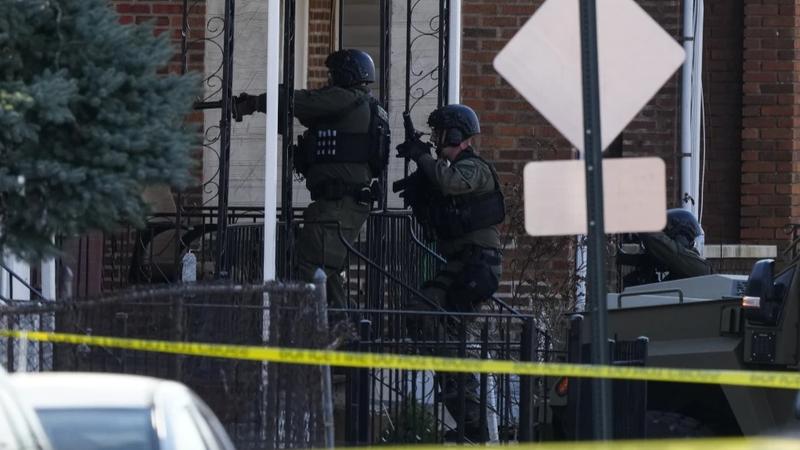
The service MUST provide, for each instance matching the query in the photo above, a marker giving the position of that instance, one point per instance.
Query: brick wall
(722, 76)
(167, 17)
(769, 109)
(320, 40)
(515, 133)
(654, 131)
(512, 132)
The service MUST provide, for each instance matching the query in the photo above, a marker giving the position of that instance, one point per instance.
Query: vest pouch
(332, 146)
(482, 211)
(379, 139)
(470, 212)
(473, 286)
(447, 219)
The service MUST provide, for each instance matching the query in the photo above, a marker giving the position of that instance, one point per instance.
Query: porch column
(271, 148)
(454, 53)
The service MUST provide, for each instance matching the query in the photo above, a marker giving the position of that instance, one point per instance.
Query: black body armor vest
(323, 146)
(457, 215)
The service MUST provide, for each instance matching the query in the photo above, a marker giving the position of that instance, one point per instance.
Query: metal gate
(424, 79)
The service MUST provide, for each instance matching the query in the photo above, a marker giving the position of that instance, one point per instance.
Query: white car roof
(18, 415)
(88, 390)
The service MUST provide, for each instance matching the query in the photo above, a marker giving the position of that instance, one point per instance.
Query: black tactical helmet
(453, 124)
(682, 226)
(350, 67)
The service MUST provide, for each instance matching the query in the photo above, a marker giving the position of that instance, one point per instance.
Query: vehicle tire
(662, 424)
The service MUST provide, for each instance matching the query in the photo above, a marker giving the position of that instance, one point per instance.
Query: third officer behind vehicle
(668, 255)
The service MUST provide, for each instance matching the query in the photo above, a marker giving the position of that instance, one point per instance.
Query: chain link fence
(261, 405)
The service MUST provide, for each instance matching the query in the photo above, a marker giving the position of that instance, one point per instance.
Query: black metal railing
(403, 406)
(629, 398)
(426, 34)
(111, 261)
(14, 287)
(378, 406)
(385, 265)
(15, 291)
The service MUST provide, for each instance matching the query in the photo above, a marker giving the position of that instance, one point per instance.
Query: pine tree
(87, 119)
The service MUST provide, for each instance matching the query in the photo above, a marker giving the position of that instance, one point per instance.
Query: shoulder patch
(468, 170)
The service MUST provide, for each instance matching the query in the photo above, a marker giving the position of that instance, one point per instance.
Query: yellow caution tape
(766, 379)
(733, 443)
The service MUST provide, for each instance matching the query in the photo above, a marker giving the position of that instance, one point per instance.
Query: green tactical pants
(451, 289)
(319, 245)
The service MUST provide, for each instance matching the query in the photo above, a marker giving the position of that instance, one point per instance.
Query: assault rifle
(412, 187)
(415, 189)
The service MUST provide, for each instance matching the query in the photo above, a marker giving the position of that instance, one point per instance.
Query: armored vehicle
(716, 322)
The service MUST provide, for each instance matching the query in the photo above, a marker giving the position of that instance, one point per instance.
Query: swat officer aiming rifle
(459, 198)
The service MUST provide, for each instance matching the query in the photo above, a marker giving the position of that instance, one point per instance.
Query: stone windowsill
(740, 251)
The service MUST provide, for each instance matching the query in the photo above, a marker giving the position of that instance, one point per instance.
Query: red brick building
(750, 76)
(751, 82)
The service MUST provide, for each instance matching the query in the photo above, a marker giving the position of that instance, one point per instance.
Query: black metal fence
(262, 406)
(629, 398)
(401, 406)
(279, 405)
(384, 266)
(108, 262)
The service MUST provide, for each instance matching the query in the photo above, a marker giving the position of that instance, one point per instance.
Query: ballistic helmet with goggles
(453, 124)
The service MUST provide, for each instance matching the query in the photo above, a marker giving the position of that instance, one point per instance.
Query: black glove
(243, 105)
(413, 149)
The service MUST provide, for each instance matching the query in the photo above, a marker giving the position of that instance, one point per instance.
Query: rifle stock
(414, 187)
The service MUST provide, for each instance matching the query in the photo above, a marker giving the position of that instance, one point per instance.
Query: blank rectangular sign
(634, 196)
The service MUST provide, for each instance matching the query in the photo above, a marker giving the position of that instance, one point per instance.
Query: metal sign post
(593, 157)
(541, 63)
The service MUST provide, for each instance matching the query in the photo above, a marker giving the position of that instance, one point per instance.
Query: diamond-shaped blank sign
(543, 62)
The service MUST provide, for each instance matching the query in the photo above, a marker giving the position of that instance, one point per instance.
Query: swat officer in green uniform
(344, 147)
(668, 255)
(466, 205)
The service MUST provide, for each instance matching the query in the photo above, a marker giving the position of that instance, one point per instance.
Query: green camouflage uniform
(318, 245)
(465, 175)
(664, 254)
(678, 260)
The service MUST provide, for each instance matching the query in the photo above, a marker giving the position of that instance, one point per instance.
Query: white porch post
(14, 289)
(454, 53)
(271, 149)
(691, 109)
(48, 268)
